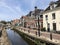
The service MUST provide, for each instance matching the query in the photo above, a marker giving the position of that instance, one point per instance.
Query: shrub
(43, 29)
(58, 32)
(34, 28)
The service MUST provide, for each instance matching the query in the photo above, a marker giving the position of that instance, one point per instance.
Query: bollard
(0, 33)
(28, 31)
(51, 35)
(36, 33)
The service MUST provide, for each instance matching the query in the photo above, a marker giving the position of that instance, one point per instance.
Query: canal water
(15, 38)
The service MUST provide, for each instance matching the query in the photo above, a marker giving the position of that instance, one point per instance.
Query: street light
(38, 27)
(38, 20)
(0, 33)
(50, 35)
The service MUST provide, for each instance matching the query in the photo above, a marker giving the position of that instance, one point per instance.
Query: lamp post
(0, 33)
(50, 35)
(38, 27)
(38, 20)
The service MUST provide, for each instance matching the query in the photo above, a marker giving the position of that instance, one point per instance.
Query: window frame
(53, 16)
(46, 16)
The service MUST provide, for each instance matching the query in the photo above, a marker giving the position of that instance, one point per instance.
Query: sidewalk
(44, 35)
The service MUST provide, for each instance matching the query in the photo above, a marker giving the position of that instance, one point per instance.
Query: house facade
(31, 19)
(38, 14)
(27, 21)
(15, 22)
(51, 17)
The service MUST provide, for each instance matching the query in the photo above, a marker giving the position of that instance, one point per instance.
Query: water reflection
(15, 38)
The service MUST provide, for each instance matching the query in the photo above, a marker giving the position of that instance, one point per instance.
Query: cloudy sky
(12, 9)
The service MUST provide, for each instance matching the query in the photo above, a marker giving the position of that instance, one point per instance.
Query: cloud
(2, 17)
(30, 3)
(2, 4)
(17, 8)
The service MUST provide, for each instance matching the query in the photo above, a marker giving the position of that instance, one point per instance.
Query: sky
(14, 9)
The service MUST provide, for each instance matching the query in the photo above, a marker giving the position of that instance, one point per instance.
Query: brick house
(31, 20)
(15, 22)
(27, 21)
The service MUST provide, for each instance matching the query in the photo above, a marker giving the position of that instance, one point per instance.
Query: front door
(54, 26)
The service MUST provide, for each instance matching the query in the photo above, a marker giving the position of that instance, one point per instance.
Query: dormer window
(52, 5)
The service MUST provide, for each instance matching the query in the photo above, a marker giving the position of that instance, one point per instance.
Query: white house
(51, 17)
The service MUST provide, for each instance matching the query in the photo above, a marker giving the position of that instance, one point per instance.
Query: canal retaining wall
(25, 37)
(4, 40)
(33, 39)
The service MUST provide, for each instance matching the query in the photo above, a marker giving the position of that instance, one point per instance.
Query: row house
(38, 14)
(35, 14)
(15, 22)
(23, 21)
(27, 22)
(51, 16)
(31, 19)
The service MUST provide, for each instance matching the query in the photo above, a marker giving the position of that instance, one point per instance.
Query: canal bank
(36, 39)
(15, 38)
(31, 40)
(26, 38)
(4, 40)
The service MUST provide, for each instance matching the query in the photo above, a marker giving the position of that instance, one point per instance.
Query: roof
(29, 14)
(37, 11)
(25, 17)
(57, 2)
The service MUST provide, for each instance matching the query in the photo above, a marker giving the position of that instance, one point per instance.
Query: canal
(15, 38)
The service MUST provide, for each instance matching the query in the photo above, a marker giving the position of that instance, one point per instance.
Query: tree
(4, 22)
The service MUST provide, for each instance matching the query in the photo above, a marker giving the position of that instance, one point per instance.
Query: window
(48, 25)
(41, 16)
(52, 7)
(53, 16)
(46, 17)
(54, 26)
